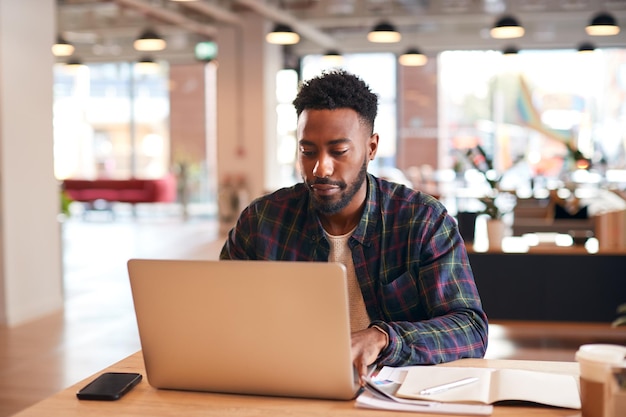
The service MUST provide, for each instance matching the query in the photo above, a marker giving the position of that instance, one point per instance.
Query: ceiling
(103, 30)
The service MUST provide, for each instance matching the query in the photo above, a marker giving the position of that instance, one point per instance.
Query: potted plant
(65, 200)
(495, 225)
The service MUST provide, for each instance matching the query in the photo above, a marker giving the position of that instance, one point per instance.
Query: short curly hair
(338, 89)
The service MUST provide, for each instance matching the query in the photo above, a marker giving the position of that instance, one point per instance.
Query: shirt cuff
(380, 329)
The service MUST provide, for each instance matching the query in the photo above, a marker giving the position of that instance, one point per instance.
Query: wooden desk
(144, 400)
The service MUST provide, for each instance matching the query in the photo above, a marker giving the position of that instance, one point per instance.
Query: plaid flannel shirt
(410, 261)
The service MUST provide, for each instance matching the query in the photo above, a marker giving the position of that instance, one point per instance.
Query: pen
(444, 387)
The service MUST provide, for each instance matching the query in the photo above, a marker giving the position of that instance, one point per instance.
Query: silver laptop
(246, 327)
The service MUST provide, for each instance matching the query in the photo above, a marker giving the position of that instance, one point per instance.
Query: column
(246, 102)
(246, 106)
(30, 240)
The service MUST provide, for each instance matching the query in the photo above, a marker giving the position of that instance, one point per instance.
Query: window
(531, 111)
(378, 70)
(111, 121)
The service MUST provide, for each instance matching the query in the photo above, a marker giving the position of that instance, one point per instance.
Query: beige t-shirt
(340, 252)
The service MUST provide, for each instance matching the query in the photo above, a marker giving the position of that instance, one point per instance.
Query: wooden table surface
(144, 400)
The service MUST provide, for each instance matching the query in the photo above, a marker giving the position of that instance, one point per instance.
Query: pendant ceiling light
(384, 32)
(333, 57)
(74, 62)
(507, 27)
(510, 50)
(412, 58)
(62, 47)
(147, 65)
(586, 47)
(149, 41)
(282, 35)
(602, 24)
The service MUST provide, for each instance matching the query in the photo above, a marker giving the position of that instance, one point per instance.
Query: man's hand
(366, 346)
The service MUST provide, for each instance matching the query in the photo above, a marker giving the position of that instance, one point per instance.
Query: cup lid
(612, 354)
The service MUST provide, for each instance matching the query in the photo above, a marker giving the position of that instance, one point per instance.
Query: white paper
(368, 400)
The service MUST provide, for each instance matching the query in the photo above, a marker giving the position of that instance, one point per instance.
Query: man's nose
(323, 167)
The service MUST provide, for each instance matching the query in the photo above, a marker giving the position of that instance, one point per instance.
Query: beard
(325, 204)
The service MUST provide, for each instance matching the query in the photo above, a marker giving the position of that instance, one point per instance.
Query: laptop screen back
(250, 327)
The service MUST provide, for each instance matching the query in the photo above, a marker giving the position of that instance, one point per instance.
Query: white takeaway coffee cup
(597, 362)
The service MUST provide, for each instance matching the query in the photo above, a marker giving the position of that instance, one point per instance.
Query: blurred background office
(209, 99)
(142, 127)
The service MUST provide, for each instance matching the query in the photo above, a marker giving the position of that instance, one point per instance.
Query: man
(412, 294)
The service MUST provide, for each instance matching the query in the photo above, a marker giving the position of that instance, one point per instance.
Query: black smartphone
(109, 386)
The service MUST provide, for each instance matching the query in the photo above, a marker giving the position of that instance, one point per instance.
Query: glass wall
(286, 119)
(111, 121)
(543, 116)
(378, 70)
(536, 114)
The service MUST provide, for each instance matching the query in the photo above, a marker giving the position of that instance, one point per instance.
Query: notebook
(245, 327)
(490, 386)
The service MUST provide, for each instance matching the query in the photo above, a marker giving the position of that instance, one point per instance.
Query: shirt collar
(367, 226)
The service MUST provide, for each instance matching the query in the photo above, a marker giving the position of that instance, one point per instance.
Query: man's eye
(339, 152)
(306, 152)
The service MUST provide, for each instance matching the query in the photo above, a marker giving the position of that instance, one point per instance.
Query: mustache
(325, 181)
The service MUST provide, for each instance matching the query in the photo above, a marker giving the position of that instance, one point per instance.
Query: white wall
(30, 243)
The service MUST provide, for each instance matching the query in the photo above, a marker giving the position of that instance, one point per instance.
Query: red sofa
(133, 190)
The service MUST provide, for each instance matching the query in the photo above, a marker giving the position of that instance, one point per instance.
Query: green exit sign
(206, 51)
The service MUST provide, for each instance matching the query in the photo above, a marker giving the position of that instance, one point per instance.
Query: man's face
(334, 151)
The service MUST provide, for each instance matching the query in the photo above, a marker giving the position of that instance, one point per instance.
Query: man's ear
(372, 146)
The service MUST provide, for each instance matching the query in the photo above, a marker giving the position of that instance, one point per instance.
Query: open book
(379, 394)
(491, 386)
